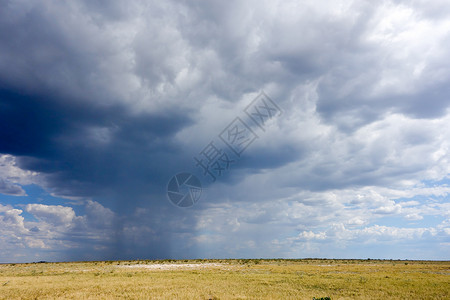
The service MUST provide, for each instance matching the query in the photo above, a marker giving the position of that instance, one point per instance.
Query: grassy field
(227, 279)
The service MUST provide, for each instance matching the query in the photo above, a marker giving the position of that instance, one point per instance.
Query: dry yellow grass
(228, 279)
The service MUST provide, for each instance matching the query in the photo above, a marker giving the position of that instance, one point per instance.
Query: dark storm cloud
(59, 114)
(65, 113)
(107, 100)
(70, 123)
(84, 143)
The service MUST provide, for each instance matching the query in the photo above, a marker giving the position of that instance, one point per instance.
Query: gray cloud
(103, 102)
(9, 188)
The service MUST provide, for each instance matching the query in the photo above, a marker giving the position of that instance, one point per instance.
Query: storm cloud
(102, 102)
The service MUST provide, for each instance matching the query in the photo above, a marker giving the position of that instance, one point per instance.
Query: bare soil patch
(174, 266)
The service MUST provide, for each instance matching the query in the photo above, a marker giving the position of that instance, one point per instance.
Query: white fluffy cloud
(11, 176)
(55, 215)
(56, 228)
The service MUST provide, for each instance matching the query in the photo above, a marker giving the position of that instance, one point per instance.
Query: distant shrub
(322, 298)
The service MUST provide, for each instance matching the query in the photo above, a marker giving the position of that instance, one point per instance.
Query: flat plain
(227, 279)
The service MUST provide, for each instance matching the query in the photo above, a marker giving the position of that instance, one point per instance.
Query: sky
(339, 110)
